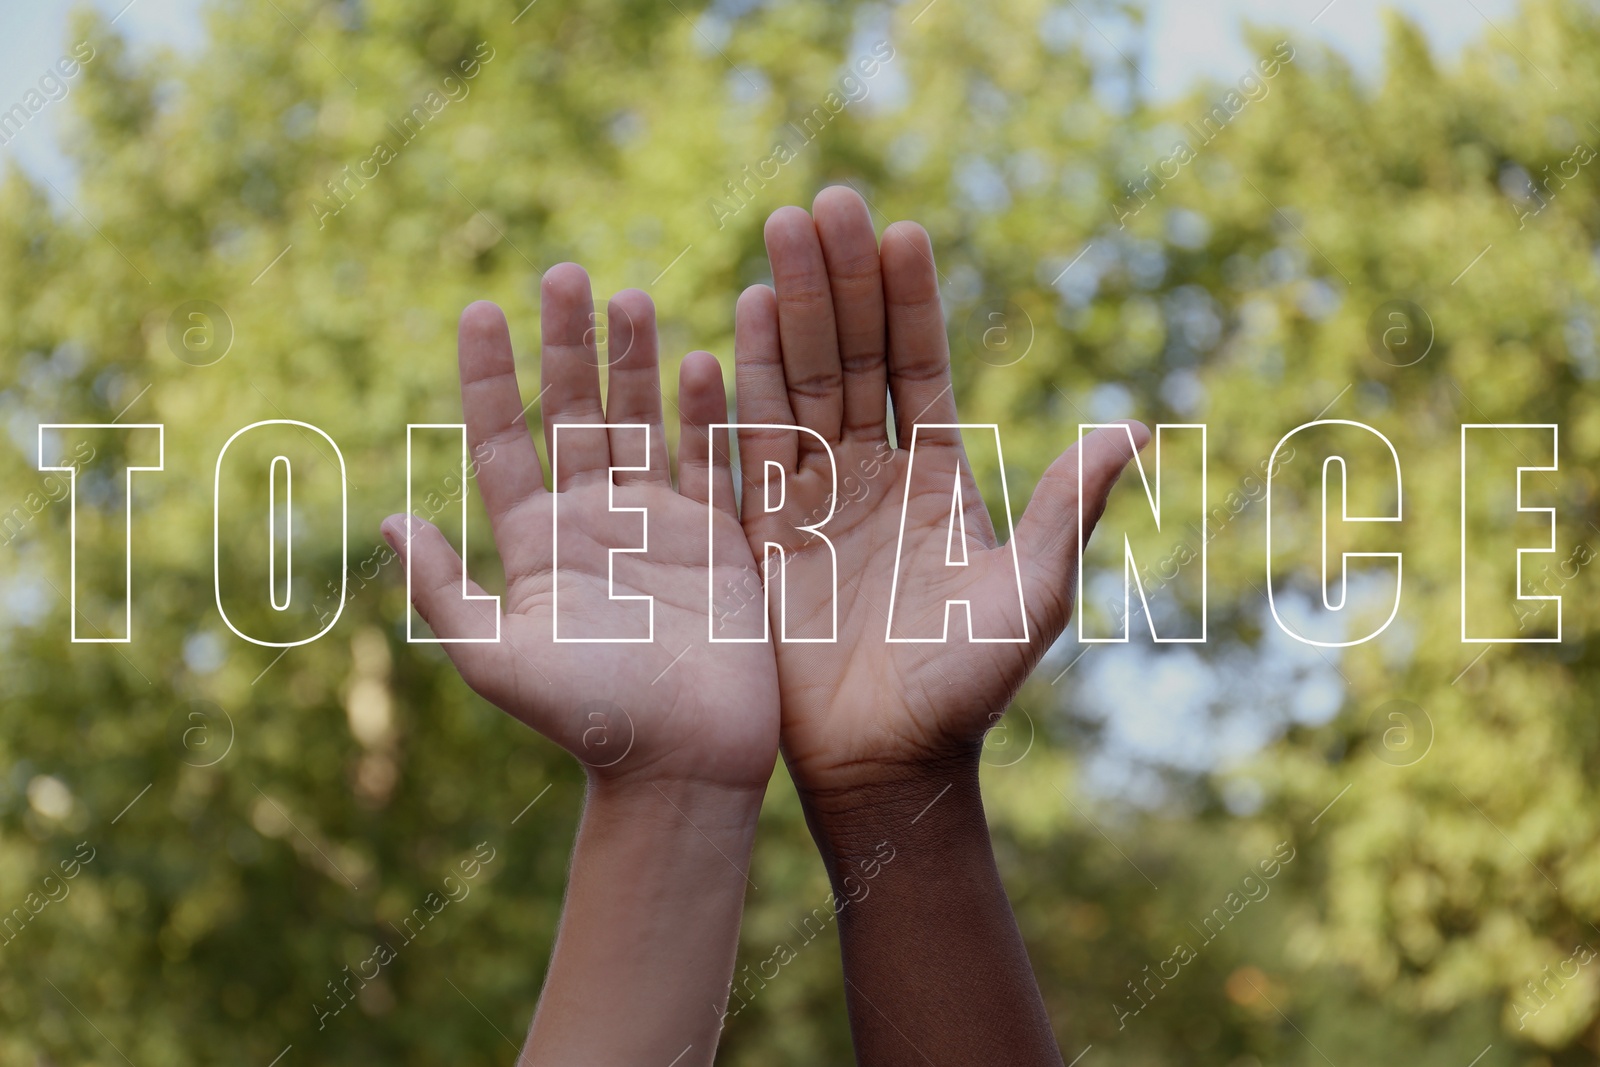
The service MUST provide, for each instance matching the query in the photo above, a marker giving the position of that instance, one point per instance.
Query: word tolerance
(1349, 453)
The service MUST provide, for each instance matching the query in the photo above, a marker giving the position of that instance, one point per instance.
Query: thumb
(441, 592)
(1047, 534)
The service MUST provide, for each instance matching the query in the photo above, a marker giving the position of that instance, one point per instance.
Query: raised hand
(679, 706)
(850, 327)
(679, 735)
(883, 739)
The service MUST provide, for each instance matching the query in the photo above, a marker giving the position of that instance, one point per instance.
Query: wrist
(658, 880)
(921, 807)
(669, 807)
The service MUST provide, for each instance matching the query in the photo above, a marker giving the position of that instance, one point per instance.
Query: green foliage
(218, 908)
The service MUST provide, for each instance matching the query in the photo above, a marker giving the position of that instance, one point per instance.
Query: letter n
(1176, 516)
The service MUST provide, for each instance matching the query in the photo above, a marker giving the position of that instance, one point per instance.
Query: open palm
(633, 687)
(850, 327)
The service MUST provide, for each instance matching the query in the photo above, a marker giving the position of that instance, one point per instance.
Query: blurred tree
(339, 178)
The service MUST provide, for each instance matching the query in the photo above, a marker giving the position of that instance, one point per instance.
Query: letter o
(344, 532)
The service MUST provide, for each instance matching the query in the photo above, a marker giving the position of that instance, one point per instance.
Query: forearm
(935, 968)
(649, 931)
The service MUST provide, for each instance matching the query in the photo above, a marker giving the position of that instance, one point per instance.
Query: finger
(704, 473)
(1047, 535)
(919, 358)
(850, 249)
(570, 376)
(634, 396)
(497, 427)
(919, 353)
(761, 396)
(810, 338)
(437, 594)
